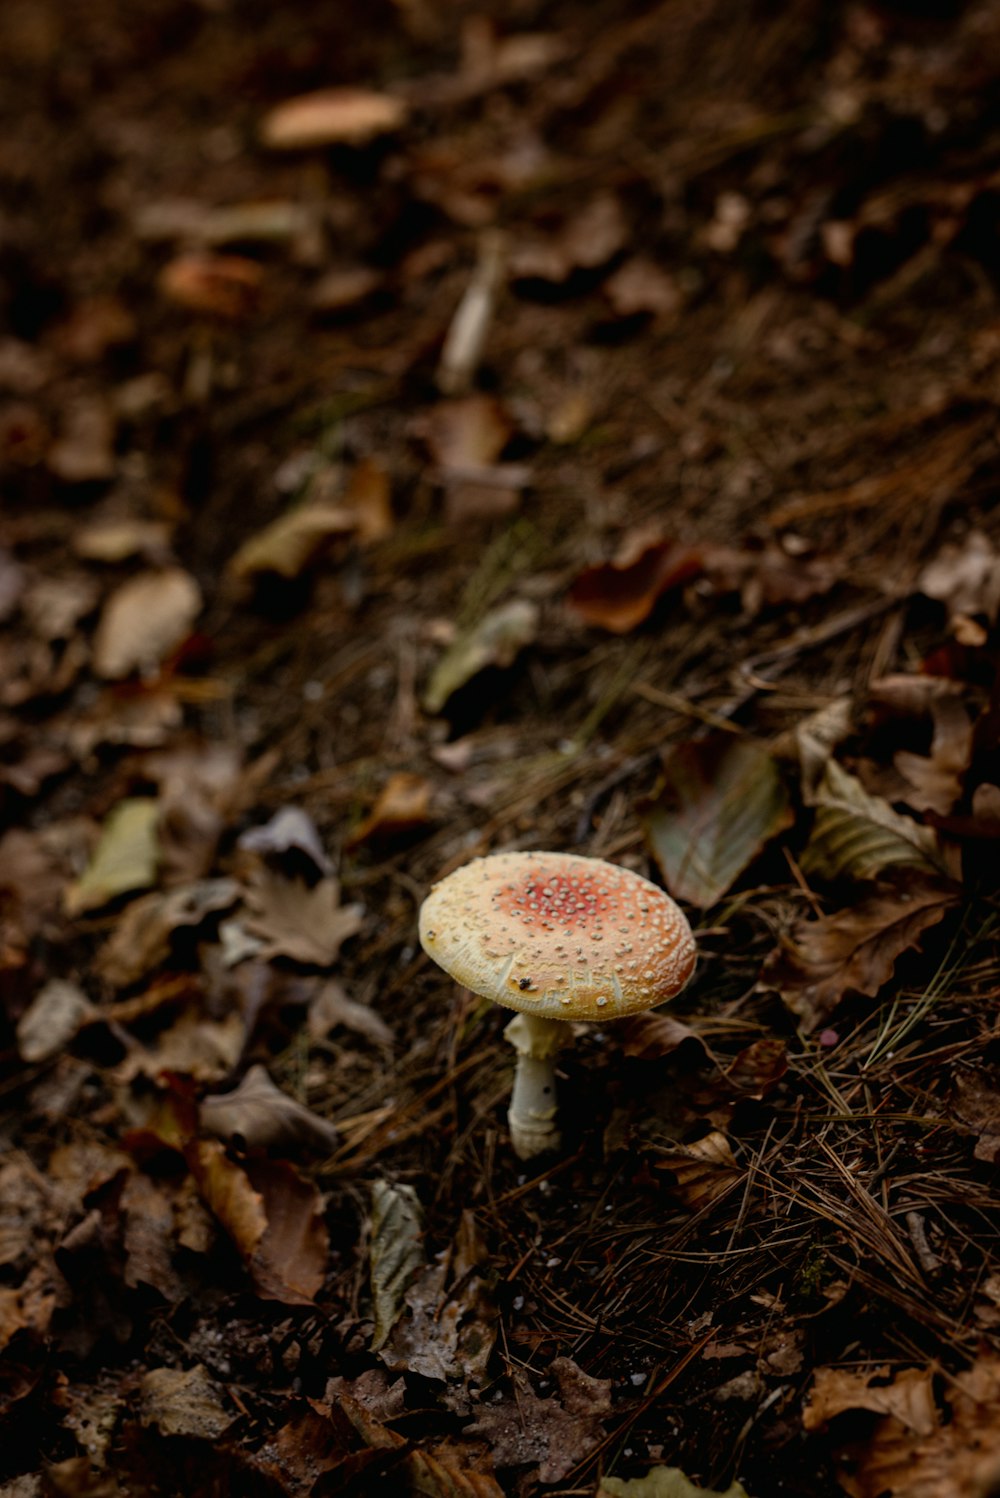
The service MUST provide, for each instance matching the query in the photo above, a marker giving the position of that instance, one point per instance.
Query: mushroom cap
(558, 935)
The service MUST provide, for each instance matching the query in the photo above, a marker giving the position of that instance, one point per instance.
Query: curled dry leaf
(936, 780)
(289, 544)
(965, 577)
(290, 841)
(332, 1007)
(143, 936)
(125, 859)
(702, 1171)
(497, 640)
(641, 288)
(260, 1115)
(855, 950)
(618, 596)
(653, 1035)
(330, 117)
(403, 805)
(768, 577)
(396, 1253)
(226, 286)
(858, 835)
(553, 1434)
(909, 1397)
(719, 801)
(144, 620)
(470, 432)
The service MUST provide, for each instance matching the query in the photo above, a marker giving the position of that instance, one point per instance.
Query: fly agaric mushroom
(559, 938)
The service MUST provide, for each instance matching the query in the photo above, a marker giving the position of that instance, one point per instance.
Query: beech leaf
(858, 835)
(719, 801)
(396, 1252)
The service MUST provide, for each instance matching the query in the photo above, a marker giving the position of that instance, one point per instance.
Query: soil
(807, 370)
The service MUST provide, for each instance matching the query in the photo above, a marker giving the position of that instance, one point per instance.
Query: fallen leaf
(332, 116)
(859, 835)
(183, 1403)
(226, 286)
(94, 326)
(125, 859)
(289, 544)
(975, 1100)
(653, 1035)
(965, 577)
(402, 806)
(618, 596)
(55, 605)
(289, 1263)
(332, 1007)
(369, 496)
(909, 1397)
(553, 1434)
(84, 453)
(497, 640)
(291, 842)
(57, 1013)
(702, 1171)
(259, 1115)
(30, 1306)
(396, 1253)
(148, 1237)
(194, 1046)
(144, 621)
(664, 1482)
(430, 1477)
(936, 780)
(345, 288)
(768, 576)
(720, 800)
(640, 287)
(143, 937)
(758, 1068)
(308, 924)
(470, 432)
(449, 1323)
(588, 240)
(855, 950)
(118, 540)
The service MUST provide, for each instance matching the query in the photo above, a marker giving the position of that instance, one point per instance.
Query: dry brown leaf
(758, 1067)
(975, 1101)
(965, 577)
(640, 287)
(768, 576)
(909, 1397)
(260, 1115)
(402, 806)
(184, 1403)
(290, 1260)
(308, 924)
(56, 1014)
(332, 1007)
(290, 842)
(618, 596)
(332, 116)
(854, 950)
(553, 1434)
(345, 288)
(653, 1035)
(84, 452)
(143, 936)
(144, 621)
(289, 544)
(117, 540)
(148, 1237)
(55, 605)
(194, 1046)
(470, 432)
(588, 240)
(226, 286)
(936, 780)
(126, 857)
(702, 1171)
(369, 496)
(497, 640)
(30, 1306)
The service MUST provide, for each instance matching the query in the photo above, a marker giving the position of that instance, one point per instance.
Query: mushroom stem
(533, 1102)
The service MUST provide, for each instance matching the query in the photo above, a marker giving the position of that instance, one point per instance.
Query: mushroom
(557, 937)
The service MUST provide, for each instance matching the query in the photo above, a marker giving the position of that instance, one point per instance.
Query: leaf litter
(222, 803)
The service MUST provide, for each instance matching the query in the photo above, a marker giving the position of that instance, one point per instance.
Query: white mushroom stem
(533, 1102)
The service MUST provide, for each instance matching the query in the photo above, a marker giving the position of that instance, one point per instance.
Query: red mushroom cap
(558, 935)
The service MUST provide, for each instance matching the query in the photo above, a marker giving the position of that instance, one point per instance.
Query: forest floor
(581, 436)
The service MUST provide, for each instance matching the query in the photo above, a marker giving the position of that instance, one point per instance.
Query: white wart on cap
(558, 935)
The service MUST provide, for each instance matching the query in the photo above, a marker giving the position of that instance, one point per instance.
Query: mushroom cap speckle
(558, 935)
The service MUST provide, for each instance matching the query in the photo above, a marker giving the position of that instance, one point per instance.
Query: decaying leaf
(332, 1006)
(936, 779)
(194, 1046)
(588, 240)
(640, 288)
(290, 841)
(402, 806)
(664, 1482)
(184, 1403)
(148, 1237)
(965, 576)
(470, 432)
(369, 496)
(854, 950)
(396, 1252)
(332, 116)
(289, 544)
(260, 1115)
(118, 540)
(57, 1013)
(125, 859)
(758, 1068)
(909, 1397)
(497, 640)
(308, 924)
(619, 595)
(144, 934)
(144, 620)
(975, 1100)
(719, 801)
(223, 286)
(653, 1035)
(858, 835)
(702, 1171)
(554, 1433)
(448, 1326)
